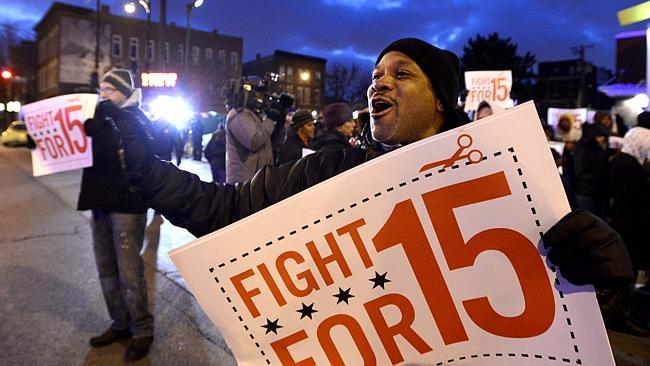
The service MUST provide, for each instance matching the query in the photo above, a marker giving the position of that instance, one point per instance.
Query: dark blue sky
(359, 29)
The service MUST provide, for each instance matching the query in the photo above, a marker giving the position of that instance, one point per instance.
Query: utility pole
(580, 51)
(161, 34)
(94, 77)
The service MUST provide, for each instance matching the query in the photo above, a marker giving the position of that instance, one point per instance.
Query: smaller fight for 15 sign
(429, 255)
(491, 86)
(57, 127)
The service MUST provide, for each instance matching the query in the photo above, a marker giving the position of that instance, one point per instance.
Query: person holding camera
(248, 144)
(251, 126)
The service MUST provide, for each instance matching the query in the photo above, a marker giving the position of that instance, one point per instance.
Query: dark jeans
(117, 241)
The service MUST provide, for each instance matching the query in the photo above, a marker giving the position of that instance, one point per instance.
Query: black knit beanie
(442, 67)
(301, 118)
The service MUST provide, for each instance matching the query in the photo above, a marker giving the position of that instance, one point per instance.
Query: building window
(316, 96)
(222, 59)
(166, 52)
(307, 96)
(133, 48)
(234, 60)
(282, 72)
(116, 46)
(317, 76)
(290, 89)
(289, 73)
(180, 54)
(299, 96)
(208, 54)
(196, 55)
(151, 46)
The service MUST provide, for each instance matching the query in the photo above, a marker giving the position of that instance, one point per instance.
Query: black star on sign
(272, 326)
(379, 280)
(307, 310)
(343, 296)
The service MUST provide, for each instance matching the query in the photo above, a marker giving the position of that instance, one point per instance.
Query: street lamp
(7, 76)
(146, 5)
(189, 7)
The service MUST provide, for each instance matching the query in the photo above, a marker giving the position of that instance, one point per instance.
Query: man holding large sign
(118, 218)
(412, 97)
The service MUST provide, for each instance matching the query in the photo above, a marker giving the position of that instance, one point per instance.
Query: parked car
(15, 134)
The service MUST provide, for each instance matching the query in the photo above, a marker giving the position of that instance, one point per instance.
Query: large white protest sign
(57, 127)
(428, 255)
(571, 128)
(491, 86)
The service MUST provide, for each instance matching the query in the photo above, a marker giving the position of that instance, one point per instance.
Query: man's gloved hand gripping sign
(429, 255)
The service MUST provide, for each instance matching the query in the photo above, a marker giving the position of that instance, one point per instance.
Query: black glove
(136, 151)
(587, 250)
(109, 109)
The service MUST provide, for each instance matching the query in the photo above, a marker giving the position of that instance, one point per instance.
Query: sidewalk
(51, 302)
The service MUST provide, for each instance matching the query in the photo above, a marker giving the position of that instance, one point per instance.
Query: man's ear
(439, 106)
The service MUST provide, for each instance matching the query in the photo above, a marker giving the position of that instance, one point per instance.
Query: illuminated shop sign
(159, 79)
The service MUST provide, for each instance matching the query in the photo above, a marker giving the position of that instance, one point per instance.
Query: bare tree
(10, 35)
(346, 83)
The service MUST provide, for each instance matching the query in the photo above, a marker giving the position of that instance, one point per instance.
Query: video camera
(258, 95)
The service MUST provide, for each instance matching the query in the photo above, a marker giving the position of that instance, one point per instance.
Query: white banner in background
(492, 86)
(577, 118)
(427, 255)
(57, 127)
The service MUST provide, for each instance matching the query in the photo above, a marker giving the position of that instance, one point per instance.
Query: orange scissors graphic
(464, 141)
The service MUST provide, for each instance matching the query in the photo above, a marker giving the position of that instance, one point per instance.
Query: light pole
(189, 7)
(146, 5)
(7, 76)
(94, 78)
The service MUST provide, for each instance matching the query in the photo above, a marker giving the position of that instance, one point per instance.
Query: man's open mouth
(379, 106)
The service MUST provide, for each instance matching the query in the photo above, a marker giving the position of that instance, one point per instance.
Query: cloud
(358, 4)
(348, 53)
(19, 13)
(592, 35)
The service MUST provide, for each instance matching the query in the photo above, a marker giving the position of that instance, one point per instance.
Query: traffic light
(6, 74)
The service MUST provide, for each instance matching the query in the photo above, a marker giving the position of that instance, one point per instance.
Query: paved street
(50, 300)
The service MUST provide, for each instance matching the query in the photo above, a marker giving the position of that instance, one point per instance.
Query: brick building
(302, 76)
(629, 88)
(572, 84)
(67, 50)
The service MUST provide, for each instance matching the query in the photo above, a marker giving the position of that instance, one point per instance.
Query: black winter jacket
(202, 207)
(630, 188)
(104, 184)
(585, 248)
(330, 140)
(290, 149)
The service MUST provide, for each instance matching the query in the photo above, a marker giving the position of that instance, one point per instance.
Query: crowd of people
(270, 156)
